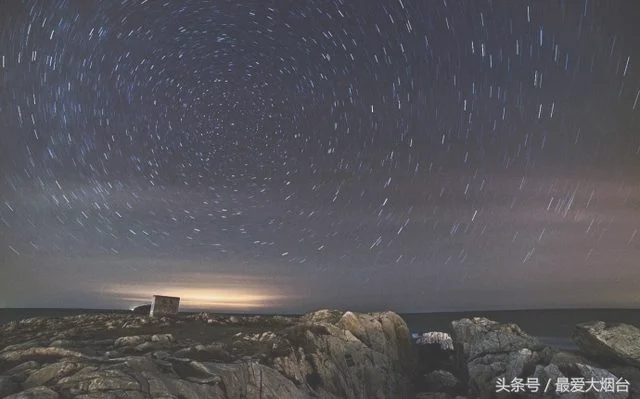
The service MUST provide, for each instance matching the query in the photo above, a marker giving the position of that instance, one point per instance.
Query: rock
(433, 395)
(132, 340)
(8, 386)
(384, 332)
(487, 350)
(520, 361)
(328, 354)
(436, 337)
(442, 381)
(35, 393)
(214, 352)
(23, 370)
(150, 347)
(333, 363)
(38, 352)
(252, 380)
(566, 359)
(62, 343)
(435, 351)
(596, 374)
(23, 346)
(552, 372)
(116, 394)
(323, 316)
(631, 374)
(142, 310)
(50, 372)
(102, 380)
(162, 338)
(618, 342)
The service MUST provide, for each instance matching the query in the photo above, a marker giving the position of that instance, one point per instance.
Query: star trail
(285, 156)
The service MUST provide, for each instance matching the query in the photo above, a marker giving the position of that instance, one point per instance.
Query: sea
(552, 326)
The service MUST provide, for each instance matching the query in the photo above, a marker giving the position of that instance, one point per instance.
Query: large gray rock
(8, 386)
(619, 342)
(50, 372)
(595, 374)
(487, 350)
(131, 340)
(348, 356)
(442, 381)
(631, 374)
(253, 380)
(23, 370)
(35, 393)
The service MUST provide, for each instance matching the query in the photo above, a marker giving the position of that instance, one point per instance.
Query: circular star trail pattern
(413, 155)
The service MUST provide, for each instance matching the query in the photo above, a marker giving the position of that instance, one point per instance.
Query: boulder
(163, 338)
(8, 386)
(23, 370)
(332, 362)
(442, 381)
(97, 381)
(251, 380)
(384, 332)
(50, 372)
(22, 355)
(599, 392)
(433, 395)
(631, 374)
(142, 310)
(132, 340)
(35, 393)
(617, 342)
(487, 350)
(213, 352)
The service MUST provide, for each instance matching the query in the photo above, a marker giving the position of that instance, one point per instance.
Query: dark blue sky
(277, 155)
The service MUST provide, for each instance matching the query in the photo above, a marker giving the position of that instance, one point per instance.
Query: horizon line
(276, 312)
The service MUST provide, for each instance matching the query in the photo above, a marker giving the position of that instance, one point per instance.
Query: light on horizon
(228, 294)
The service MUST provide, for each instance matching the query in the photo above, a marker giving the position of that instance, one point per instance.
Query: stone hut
(164, 305)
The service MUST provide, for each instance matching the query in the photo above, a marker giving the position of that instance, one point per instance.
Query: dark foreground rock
(325, 354)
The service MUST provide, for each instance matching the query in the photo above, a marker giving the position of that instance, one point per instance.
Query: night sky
(291, 155)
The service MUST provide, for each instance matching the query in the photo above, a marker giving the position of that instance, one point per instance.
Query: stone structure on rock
(164, 305)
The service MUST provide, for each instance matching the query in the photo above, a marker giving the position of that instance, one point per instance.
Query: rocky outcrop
(502, 361)
(326, 354)
(142, 310)
(487, 351)
(616, 342)
(334, 362)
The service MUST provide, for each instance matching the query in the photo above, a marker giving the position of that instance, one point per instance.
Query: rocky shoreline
(324, 354)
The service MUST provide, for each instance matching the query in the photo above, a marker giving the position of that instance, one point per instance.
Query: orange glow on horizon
(228, 292)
